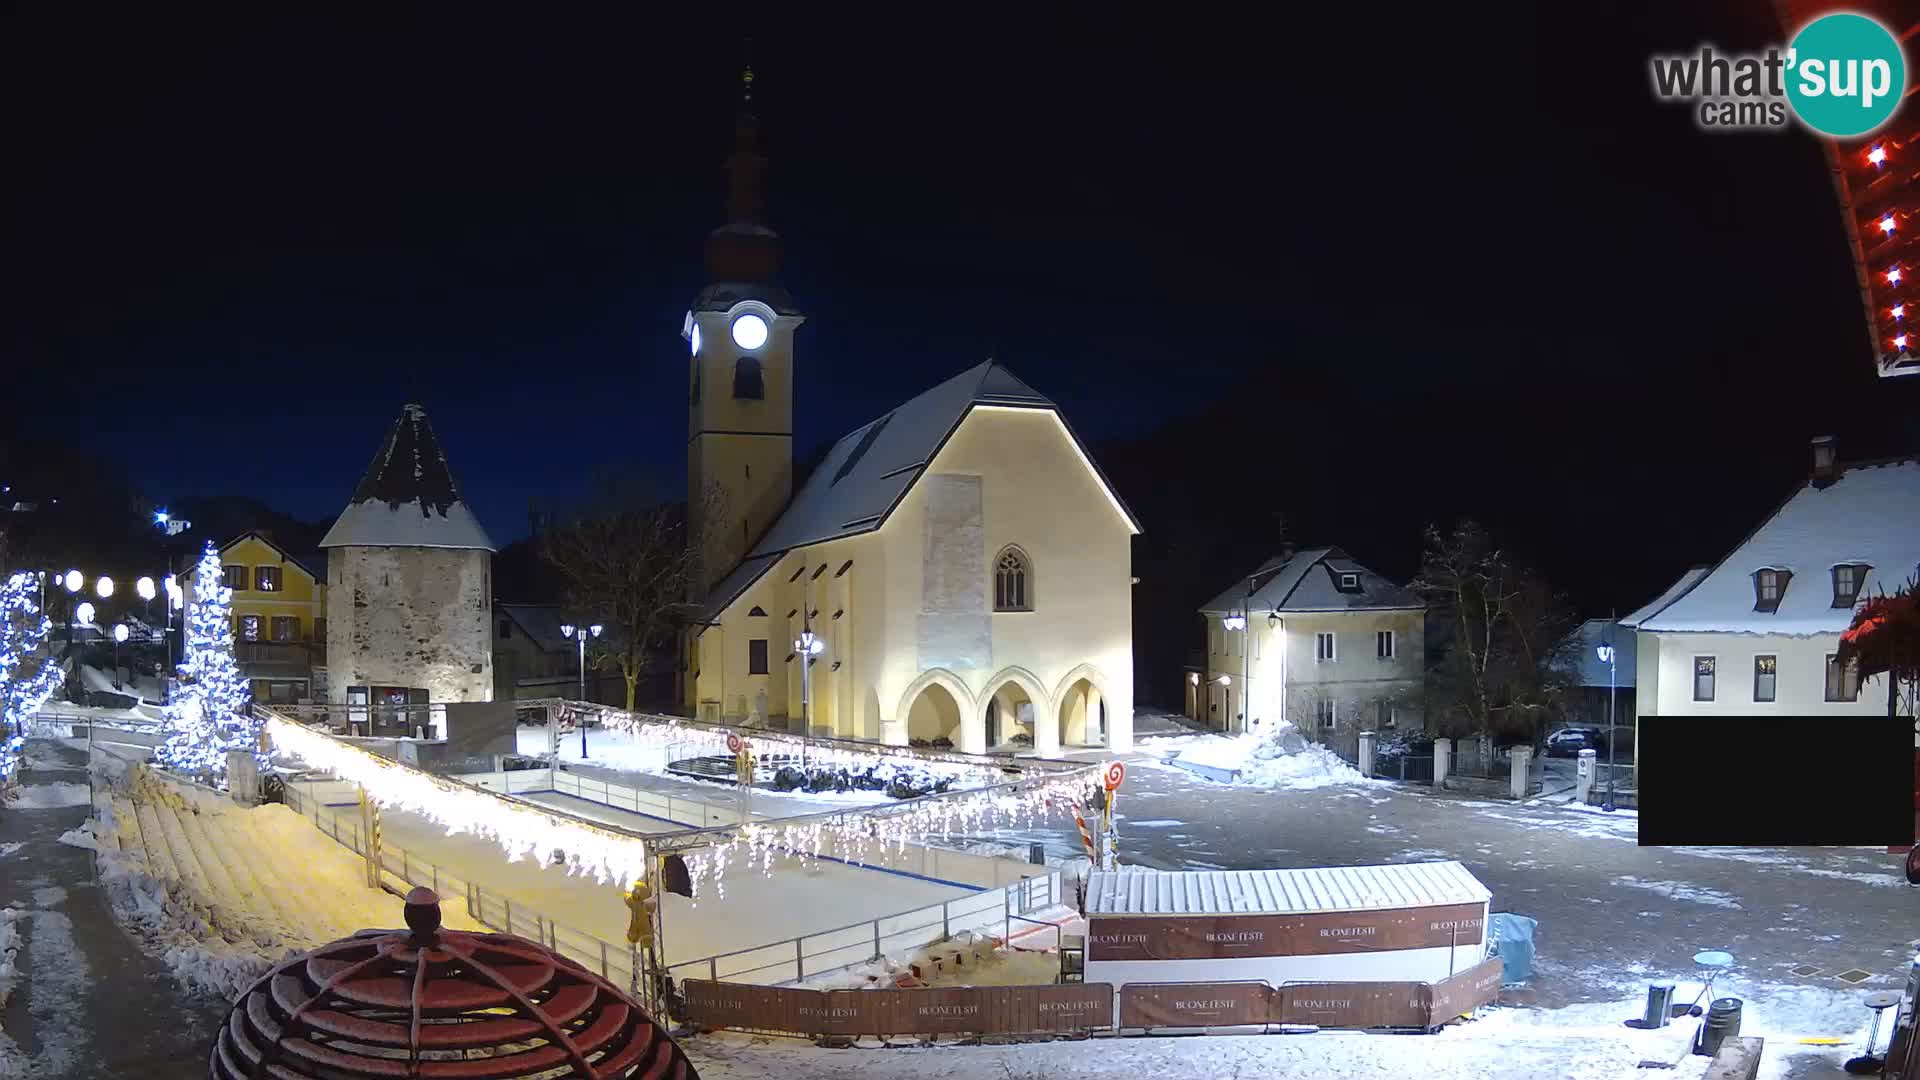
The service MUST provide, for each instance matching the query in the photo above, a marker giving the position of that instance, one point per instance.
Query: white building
(409, 581)
(961, 562)
(1757, 632)
(1315, 639)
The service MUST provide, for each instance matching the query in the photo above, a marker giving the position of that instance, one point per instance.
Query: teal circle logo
(1846, 74)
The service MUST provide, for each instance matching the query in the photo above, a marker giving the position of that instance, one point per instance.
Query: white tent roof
(1283, 892)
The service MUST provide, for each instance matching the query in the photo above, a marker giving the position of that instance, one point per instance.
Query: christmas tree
(28, 675)
(209, 714)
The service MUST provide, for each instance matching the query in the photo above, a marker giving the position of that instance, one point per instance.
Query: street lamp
(119, 636)
(1607, 657)
(104, 586)
(581, 634)
(808, 645)
(73, 580)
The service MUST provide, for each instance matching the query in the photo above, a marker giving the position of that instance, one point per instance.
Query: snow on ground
(60, 979)
(623, 753)
(8, 849)
(1276, 757)
(967, 959)
(9, 949)
(48, 796)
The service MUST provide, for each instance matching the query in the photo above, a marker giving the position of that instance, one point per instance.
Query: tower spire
(744, 249)
(746, 163)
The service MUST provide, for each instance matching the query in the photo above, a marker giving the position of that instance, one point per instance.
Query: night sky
(251, 239)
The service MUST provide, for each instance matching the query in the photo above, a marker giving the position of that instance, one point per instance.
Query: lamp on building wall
(580, 634)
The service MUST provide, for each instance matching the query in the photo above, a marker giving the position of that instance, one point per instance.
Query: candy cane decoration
(1086, 837)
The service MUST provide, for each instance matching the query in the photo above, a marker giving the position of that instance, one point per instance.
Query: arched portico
(1080, 708)
(937, 705)
(1014, 699)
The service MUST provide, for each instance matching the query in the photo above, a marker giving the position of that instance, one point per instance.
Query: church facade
(957, 571)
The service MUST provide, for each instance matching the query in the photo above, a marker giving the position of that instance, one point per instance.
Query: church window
(747, 383)
(844, 567)
(1012, 581)
(758, 611)
(757, 656)
(817, 573)
(797, 573)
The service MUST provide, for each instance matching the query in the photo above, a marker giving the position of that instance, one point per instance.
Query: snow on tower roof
(1869, 515)
(1283, 892)
(872, 467)
(407, 497)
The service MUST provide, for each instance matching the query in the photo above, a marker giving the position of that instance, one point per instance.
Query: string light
(1893, 276)
(208, 715)
(522, 830)
(1899, 311)
(1877, 155)
(1886, 224)
(1900, 341)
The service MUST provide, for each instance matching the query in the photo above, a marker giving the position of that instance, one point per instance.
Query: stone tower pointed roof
(407, 497)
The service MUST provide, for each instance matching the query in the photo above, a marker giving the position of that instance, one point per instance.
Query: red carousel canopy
(1878, 180)
(439, 1003)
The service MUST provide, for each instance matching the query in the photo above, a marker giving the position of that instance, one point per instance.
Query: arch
(1012, 579)
(1078, 712)
(1029, 686)
(971, 720)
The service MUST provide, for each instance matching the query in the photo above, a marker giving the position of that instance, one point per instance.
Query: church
(956, 572)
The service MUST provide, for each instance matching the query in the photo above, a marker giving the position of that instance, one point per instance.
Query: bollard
(1521, 755)
(1442, 761)
(1366, 753)
(1583, 776)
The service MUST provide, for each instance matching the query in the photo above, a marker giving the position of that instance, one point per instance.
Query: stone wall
(416, 617)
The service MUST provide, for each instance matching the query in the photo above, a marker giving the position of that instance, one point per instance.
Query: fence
(787, 960)
(401, 870)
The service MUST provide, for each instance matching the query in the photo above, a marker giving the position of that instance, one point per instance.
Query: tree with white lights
(209, 714)
(28, 673)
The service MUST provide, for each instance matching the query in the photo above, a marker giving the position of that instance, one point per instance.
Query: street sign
(733, 743)
(1116, 774)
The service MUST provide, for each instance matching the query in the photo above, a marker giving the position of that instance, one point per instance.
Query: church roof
(407, 497)
(872, 467)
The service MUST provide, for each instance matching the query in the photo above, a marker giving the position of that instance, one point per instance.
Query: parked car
(1569, 741)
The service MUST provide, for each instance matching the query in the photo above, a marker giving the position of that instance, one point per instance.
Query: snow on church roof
(1869, 515)
(407, 497)
(871, 468)
(1283, 892)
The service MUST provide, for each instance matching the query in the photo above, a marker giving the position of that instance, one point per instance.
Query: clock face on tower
(749, 331)
(694, 339)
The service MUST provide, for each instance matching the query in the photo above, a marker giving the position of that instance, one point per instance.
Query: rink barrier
(1085, 1007)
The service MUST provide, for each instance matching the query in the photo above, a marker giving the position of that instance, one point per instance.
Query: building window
(757, 656)
(1843, 680)
(1768, 587)
(266, 578)
(1012, 581)
(1703, 678)
(747, 383)
(1387, 716)
(1765, 673)
(320, 631)
(1325, 713)
(1349, 582)
(1323, 649)
(1847, 580)
(249, 628)
(235, 577)
(1383, 644)
(506, 629)
(286, 628)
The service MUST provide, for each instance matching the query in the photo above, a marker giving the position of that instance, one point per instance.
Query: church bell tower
(740, 383)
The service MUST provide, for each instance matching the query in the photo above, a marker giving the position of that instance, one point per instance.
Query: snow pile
(966, 959)
(1275, 757)
(9, 948)
(49, 796)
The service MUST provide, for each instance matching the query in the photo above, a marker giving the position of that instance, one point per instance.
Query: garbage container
(1723, 1023)
(1512, 939)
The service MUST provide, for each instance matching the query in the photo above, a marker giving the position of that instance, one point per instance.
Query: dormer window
(1768, 587)
(1349, 582)
(1847, 580)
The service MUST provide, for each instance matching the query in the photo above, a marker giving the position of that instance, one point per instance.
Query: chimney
(1826, 464)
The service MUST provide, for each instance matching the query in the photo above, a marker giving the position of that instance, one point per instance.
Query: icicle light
(522, 830)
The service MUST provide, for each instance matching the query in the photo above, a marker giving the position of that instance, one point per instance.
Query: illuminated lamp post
(1608, 657)
(580, 634)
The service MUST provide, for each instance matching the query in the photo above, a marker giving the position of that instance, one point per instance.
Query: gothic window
(746, 378)
(1012, 581)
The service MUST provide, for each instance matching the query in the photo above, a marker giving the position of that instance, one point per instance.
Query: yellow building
(961, 566)
(279, 618)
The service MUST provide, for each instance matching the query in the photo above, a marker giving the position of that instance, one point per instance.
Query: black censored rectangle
(1775, 781)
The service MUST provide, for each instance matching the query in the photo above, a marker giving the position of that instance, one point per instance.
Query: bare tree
(626, 564)
(1505, 627)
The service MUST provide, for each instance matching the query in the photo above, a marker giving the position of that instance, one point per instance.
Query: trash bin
(1512, 939)
(1723, 1023)
(1659, 1005)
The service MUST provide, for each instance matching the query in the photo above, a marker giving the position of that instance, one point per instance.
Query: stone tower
(740, 383)
(409, 575)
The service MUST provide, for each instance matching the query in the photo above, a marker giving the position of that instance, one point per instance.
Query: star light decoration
(28, 675)
(869, 833)
(522, 830)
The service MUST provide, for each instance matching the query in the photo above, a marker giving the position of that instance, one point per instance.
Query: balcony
(279, 659)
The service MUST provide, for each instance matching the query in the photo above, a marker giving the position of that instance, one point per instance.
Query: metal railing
(617, 963)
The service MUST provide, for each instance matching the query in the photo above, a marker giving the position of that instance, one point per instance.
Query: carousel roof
(428, 1002)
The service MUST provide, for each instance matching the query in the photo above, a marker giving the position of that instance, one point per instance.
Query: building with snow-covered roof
(409, 594)
(1316, 639)
(963, 566)
(1601, 693)
(1757, 632)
